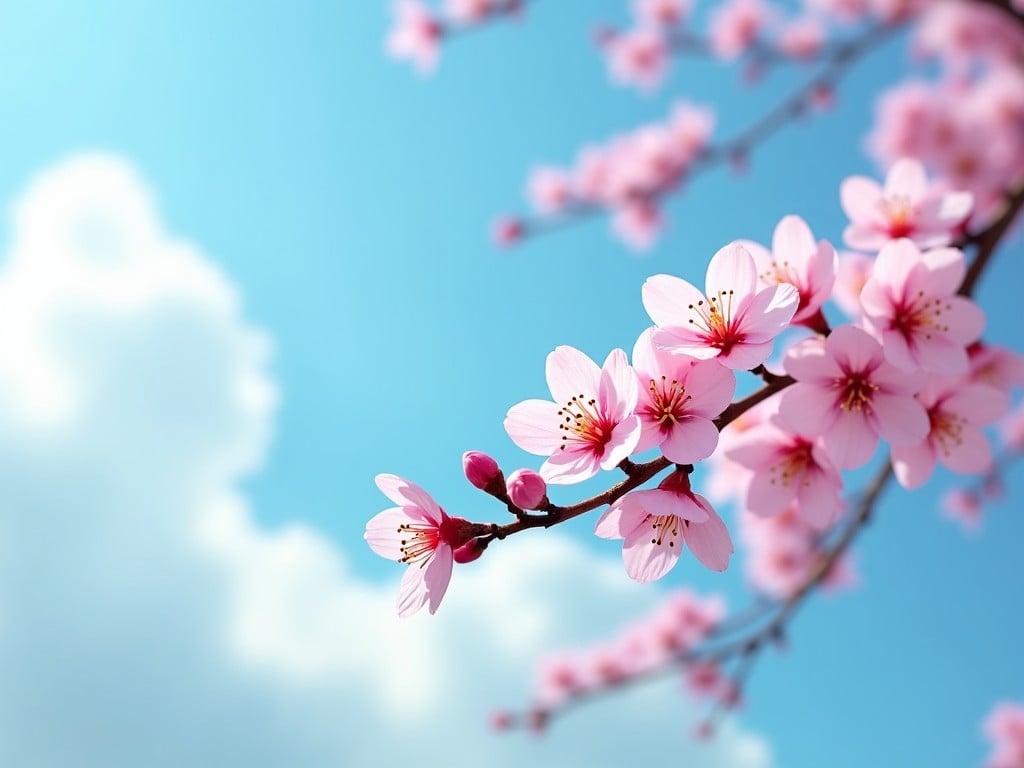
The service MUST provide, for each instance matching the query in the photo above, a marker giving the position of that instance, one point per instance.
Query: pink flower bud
(469, 551)
(483, 472)
(501, 720)
(507, 231)
(527, 489)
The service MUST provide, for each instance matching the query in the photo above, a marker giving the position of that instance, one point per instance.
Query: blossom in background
(736, 25)
(846, 392)
(796, 258)
(419, 534)
(1004, 727)
(656, 523)
(679, 397)
(907, 206)
(415, 35)
(638, 57)
(787, 468)
(732, 320)
(911, 306)
(590, 425)
(956, 414)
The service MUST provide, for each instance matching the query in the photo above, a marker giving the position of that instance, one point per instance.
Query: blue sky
(347, 202)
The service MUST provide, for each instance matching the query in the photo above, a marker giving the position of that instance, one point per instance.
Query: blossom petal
(969, 454)
(567, 467)
(383, 534)
(731, 269)
(766, 496)
(650, 553)
(770, 311)
(850, 441)
(913, 464)
(617, 392)
(412, 592)
(819, 502)
(710, 541)
(437, 574)
(667, 298)
(807, 409)
(408, 495)
(691, 439)
(569, 373)
(533, 426)
(900, 419)
(622, 442)
(859, 197)
(792, 241)
(853, 348)
(906, 178)
(711, 387)
(978, 403)
(946, 270)
(809, 361)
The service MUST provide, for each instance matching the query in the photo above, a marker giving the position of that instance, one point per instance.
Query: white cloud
(146, 619)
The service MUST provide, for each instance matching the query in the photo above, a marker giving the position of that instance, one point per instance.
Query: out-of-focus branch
(835, 64)
(1006, 7)
(740, 639)
(987, 239)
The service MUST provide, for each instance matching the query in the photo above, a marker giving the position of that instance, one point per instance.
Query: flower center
(668, 402)
(899, 212)
(921, 315)
(793, 464)
(418, 543)
(664, 527)
(584, 424)
(713, 319)
(857, 391)
(946, 430)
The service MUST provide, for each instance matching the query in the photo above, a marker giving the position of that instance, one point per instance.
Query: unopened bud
(527, 489)
(507, 231)
(501, 720)
(483, 472)
(469, 551)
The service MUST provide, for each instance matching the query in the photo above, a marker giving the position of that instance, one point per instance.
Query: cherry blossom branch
(987, 239)
(742, 650)
(636, 475)
(740, 640)
(836, 63)
(1006, 7)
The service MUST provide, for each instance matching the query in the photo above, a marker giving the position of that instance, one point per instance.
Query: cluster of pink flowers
(1005, 729)
(681, 623)
(908, 371)
(626, 176)
(418, 30)
(967, 124)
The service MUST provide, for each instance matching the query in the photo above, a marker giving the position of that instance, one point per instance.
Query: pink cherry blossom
(911, 306)
(1011, 430)
(589, 426)
(732, 321)
(907, 206)
(679, 397)
(964, 507)
(787, 469)
(996, 366)
(418, 533)
(735, 25)
(797, 259)
(638, 57)
(415, 35)
(467, 12)
(847, 393)
(638, 224)
(684, 619)
(1005, 729)
(956, 414)
(656, 523)
(550, 190)
(802, 38)
(661, 13)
